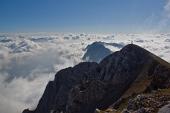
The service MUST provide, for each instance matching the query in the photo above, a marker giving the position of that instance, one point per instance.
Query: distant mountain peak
(95, 52)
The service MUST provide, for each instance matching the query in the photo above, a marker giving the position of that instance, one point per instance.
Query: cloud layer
(29, 61)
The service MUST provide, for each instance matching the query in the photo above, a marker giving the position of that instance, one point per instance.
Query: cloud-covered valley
(29, 61)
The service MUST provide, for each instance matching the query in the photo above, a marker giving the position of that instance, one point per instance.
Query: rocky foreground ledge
(96, 87)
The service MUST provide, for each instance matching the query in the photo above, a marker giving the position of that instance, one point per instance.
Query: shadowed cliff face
(56, 93)
(88, 86)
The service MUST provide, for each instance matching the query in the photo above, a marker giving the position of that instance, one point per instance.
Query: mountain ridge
(74, 89)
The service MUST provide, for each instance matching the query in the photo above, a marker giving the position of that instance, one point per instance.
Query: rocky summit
(119, 78)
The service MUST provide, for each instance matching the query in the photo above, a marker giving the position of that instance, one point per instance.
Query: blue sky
(81, 15)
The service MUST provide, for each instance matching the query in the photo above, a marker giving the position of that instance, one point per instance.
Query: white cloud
(29, 70)
(25, 69)
(21, 93)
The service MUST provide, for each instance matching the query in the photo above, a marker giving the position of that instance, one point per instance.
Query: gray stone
(165, 109)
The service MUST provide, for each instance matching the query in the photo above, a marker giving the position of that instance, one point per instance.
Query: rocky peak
(87, 86)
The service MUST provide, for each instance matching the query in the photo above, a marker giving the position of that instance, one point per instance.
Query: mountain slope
(88, 86)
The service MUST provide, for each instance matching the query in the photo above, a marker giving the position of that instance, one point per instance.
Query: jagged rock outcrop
(88, 86)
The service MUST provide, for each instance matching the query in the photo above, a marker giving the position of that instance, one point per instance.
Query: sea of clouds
(29, 60)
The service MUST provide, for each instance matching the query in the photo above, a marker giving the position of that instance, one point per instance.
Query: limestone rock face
(87, 86)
